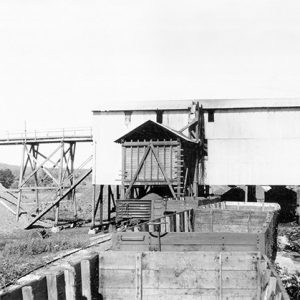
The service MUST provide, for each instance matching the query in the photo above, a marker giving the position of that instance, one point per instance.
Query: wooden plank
(177, 226)
(14, 293)
(168, 224)
(56, 285)
(208, 238)
(89, 277)
(155, 143)
(137, 171)
(73, 284)
(117, 278)
(186, 221)
(194, 260)
(27, 293)
(182, 277)
(38, 288)
(238, 294)
(109, 260)
(186, 241)
(163, 171)
(162, 294)
(235, 228)
(220, 275)
(70, 281)
(239, 279)
(138, 274)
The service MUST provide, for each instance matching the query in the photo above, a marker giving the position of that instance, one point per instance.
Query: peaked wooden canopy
(151, 130)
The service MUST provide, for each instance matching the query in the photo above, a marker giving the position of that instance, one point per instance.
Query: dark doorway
(286, 198)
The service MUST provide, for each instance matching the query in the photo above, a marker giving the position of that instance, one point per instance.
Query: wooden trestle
(52, 172)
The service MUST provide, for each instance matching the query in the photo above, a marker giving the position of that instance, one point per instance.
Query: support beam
(260, 194)
(47, 209)
(20, 183)
(298, 205)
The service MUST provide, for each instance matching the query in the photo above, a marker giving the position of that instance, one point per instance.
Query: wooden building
(250, 142)
(156, 156)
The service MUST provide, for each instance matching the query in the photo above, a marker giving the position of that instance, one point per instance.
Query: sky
(60, 59)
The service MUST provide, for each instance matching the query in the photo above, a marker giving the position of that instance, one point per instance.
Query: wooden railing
(176, 222)
(46, 134)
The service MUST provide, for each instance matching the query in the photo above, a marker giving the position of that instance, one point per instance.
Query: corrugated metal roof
(206, 103)
(147, 127)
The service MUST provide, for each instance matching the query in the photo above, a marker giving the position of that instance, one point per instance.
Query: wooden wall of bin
(117, 275)
(168, 153)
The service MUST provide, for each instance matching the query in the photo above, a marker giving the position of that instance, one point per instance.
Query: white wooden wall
(247, 146)
(255, 147)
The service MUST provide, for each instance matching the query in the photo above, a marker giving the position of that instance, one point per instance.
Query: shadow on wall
(286, 198)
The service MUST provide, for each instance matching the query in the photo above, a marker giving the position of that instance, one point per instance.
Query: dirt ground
(8, 224)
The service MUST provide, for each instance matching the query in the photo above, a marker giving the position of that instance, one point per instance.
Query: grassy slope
(21, 253)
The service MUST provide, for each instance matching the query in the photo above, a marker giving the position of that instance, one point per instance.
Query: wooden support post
(60, 182)
(163, 226)
(108, 203)
(70, 282)
(89, 277)
(186, 221)
(73, 193)
(55, 285)
(177, 222)
(260, 194)
(259, 276)
(101, 204)
(138, 274)
(220, 277)
(27, 293)
(168, 222)
(93, 206)
(33, 166)
(151, 228)
(246, 193)
(20, 183)
(298, 206)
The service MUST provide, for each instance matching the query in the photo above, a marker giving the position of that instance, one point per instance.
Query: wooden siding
(150, 171)
(178, 275)
(253, 147)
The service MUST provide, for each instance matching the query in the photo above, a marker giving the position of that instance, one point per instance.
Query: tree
(6, 178)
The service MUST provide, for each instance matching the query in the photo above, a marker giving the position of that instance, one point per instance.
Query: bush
(6, 178)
